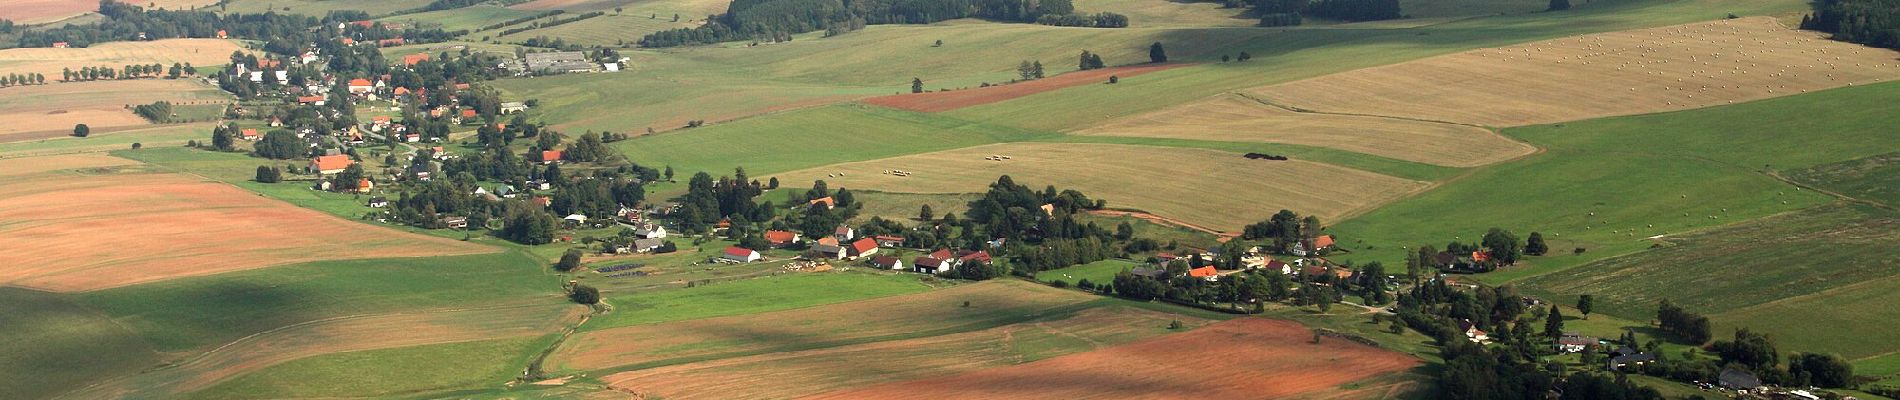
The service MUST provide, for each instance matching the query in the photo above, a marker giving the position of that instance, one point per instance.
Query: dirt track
(1247, 358)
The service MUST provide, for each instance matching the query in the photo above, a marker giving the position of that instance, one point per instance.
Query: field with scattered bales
(48, 111)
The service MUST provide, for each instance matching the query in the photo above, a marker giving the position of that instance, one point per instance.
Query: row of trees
(157, 112)
(1097, 20)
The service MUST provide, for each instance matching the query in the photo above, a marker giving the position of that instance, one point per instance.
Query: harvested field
(955, 99)
(992, 303)
(1250, 190)
(344, 334)
(1237, 118)
(18, 167)
(1247, 358)
(101, 231)
(50, 61)
(1581, 77)
(803, 373)
(37, 112)
(44, 11)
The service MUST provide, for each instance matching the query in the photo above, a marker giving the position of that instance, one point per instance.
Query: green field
(1875, 178)
(663, 93)
(1096, 272)
(751, 297)
(152, 138)
(609, 30)
(319, 8)
(469, 18)
(810, 138)
(387, 372)
(57, 344)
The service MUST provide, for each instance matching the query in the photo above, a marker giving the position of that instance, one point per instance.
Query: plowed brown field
(1248, 358)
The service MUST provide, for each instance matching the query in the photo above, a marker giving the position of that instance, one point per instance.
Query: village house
(550, 156)
(365, 185)
(887, 262)
(966, 257)
(455, 222)
(861, 248)
(1472, 332)
(413, 59)
(326, 165)
(378, 202)
(1206, 273)
(827, 251)
(889, 241)
(781, 239)
(647, 245)
(310, 100)
(1571, 342)
(249, 134)
(545, 202)
(360, 86)
(740, 255)
(927, 265)
(827, 201)
(844, 233)
(1317, 244)
(645, 231)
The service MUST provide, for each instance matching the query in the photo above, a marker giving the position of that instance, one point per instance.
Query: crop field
(672, 92)
(1241, 358)
(23, 168)
(45, 11)
(1875, 178)
(1597, 186)
(149, 227)
(1252, 189)
(57, 344)
(1831, 258)
(687, 8)
(955, 99)
(470, 18)
(613, 30)
(50, 61)
(339, 335)
(386, 372)
(1620, 73)
(1150, 14)
(810, 138)
(992, 303)
(1238, 118)
(51, 110)
(751, 296)
(808, 372)
(319, 8)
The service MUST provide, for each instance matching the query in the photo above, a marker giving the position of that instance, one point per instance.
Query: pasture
(751, 296)
(58, 344)
(148, 227)
(1875, 178)
(1598, 75)
(1096, 272)
(201, 53)
(1251, 189)
(1786, 272)
(387, 372)
(48, 11)
(615, 30)
(809, 138)
(940, 101)
(1601, 183)
(108, 139)
(807, 372)
(871, 319)
(470, 18)
(1242, 119)
(51, 110)
(1240, 358)
(1153, 14)
(664, 93)
(319, 8)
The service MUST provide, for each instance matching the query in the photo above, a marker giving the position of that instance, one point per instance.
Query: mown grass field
(470, 18)
(1593, 189)
(1875, 178)
(751, 296)
(611, 30)
(809, 138)
(57, 344)
(319, 8)
(103, 140)
(1096, 272)
(664, 93)
(387, 372)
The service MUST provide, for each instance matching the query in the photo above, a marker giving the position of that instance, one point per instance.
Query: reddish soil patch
(89, 232)
(40, 11)
(955, 99)
(1248, 358)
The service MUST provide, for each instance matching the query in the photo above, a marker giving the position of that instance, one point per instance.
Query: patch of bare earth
(801, 373)
(1599, 75)
(90, 232)
(1247, 358)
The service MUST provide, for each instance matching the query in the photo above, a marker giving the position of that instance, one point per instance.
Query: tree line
(1869, 22)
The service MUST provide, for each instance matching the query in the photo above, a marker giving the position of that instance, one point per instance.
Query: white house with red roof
(862, 247)
(331, 164)
(361, 86)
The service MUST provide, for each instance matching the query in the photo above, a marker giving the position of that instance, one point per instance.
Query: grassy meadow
(387, 372)
(57, 343)
(752, 296)
(809, 138)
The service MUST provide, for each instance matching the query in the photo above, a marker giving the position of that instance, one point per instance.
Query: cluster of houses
(846, 244)
(1251, 259)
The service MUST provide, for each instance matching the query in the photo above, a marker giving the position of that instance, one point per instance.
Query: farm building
(844, 233)
(928, 265)
(330, 164)
(513, 107)
(862, 247)
(455, 222)
(889, 241)
(575, 219)
(1472, 332)
(1738, 379)
(740, 254)
(1571, 342)
(361, 86)
(1207, 273)
(645, 231)
(887, 262)
(827, 201)
(559, 62)
(248, 134)
(828, 251)
(1154, 273)
(781, 239)
(646, 245)
(549, 156)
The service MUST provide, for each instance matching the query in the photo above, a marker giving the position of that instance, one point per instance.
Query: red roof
(543, 201)
(550, 155)
(469, 113)
(829, 203)
(829, 241)
(360, 82)
(1323, 241)
(885, 261)
(412, 59)
(402, 91)
(863, 245)
(364, 23)
(780, 237)
(982, 256)
(349, 41)
(940, 254)
(331, 163)
(249, 132)
(309, 99)
(382, 119)
(1203, 272)
(389, 42)
(461, 86)
(1480, 256)
(739, 252)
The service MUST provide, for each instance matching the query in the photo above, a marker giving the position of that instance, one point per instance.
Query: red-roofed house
(364, 185)
(389, 42)
(941, 254)
(402, 91)
(363, 24)
(862, 247)
(844, 232)
(542, 201)
(349, 42)
(973, 256)
(361, 86)
(468, 113)
(248, 134)
(1481, 256)
(413, 59)
(828, 241)
(1322, 242)
(887, 262)
(889, 241)
(781, 238)
(827, 201)
(330, 164)
(223, 35)
(310, 100)
(550, 156)
(1206, 273)
(740, 254)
